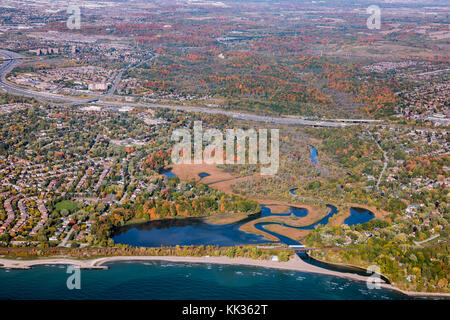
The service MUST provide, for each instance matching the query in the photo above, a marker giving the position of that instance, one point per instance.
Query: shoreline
(294, 264)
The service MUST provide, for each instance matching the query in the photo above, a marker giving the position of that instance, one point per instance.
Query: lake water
(185, 232)
(197, 232)
(167, 280)
(358, 216)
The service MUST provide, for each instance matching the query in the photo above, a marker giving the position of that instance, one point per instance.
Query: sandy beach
(222, 181)
(295, 264)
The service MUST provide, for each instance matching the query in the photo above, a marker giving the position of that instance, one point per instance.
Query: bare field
(227, 219)
(217, 179)
(292, 233)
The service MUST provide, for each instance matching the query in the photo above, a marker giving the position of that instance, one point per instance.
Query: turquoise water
(166, 280)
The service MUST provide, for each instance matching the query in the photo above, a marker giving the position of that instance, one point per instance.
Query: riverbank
(295, 264)
(226, 219)
(220, 180)
(344, 213)
(314, 214)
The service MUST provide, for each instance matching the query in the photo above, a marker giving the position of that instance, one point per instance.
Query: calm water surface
(203, 175)
(314, 155)
(358, 216)
(185, 232)
(166, 280)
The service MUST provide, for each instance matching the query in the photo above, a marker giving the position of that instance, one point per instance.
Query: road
(119, 75)
(233, 114)
(419, 243)
(63, 243)
(13, 59)
(385, 164)
(433, 72)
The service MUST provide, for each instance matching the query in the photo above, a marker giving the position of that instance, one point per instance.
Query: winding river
(195, 231)
(166, 280)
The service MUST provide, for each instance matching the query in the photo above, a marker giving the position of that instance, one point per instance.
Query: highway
(15, 59)
(12, 60)
(233, 114)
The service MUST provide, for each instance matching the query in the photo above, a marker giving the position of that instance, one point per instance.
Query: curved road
(385, 164)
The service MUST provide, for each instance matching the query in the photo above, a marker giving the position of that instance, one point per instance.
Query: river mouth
(195, 231)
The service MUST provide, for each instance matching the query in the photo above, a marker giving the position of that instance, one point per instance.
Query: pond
(358, 216)
(203, 175)
(314, 155)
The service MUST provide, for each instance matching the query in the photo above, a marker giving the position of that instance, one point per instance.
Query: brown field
(250, 228)
(275, 208)
(382, 50)
(189, 172)
(226, 219)
(294, 234)
(225, 186)
(217, 179)
(339, 218)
